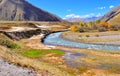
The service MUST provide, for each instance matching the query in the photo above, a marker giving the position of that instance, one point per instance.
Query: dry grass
(58, 26)
(90, 37)
(94, 33)
(98, 63)
(13, 56)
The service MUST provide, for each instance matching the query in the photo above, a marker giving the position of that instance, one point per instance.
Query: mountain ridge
(21, 10)
(113, 16)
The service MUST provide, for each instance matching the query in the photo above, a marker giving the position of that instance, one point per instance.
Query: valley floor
(94, 63)
(60, 62)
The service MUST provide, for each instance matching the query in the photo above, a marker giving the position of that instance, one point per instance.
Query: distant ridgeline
(21, 10)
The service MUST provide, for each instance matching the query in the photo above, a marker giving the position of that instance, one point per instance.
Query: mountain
(112, 17)
(83, 19)
(91, 19)
(73, 19)
(21, 10)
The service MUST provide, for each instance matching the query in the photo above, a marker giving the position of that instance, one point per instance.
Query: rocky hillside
(21, 10)
(113, 17)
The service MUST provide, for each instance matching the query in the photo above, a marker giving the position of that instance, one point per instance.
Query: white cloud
(111, 6)
(82, 16)
(101, 8)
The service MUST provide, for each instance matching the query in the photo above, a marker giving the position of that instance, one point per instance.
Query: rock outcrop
(17, 35)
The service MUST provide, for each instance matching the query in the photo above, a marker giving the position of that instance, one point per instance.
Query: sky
(76, 8)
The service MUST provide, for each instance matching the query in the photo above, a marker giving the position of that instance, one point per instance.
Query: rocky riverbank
(17, 35)
(7, 69)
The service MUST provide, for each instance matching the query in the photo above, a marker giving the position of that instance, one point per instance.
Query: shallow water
(54, 39)
(72, 59)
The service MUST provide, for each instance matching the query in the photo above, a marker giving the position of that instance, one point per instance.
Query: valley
(55, 59)
(35, 42)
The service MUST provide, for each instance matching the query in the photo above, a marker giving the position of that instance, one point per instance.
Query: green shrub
(9, 44)
(87, 35)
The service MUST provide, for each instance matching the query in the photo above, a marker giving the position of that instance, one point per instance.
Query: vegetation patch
(9, 44)
(4, 41)
(40, 53)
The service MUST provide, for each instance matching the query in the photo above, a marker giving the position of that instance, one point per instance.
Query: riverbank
(111, 38)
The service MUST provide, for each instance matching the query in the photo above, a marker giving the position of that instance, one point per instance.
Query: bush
(96, 35)
(102, 29)
(97, 21)
(74, 28)
(87, 35)
(82, 30)
(115, 28)
(105, 24)
(8, 44)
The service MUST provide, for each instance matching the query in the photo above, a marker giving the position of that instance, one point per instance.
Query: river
(54, 39)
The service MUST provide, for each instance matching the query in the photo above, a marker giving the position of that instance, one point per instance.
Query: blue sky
(76, 8)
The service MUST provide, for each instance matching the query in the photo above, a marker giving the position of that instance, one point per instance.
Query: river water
(73, 59)
(54, 39)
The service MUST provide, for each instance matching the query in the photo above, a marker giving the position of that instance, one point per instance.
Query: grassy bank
(40, 53)
(27, 57)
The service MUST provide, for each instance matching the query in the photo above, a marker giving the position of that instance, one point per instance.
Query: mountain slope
(112, 17)
(21, 10)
